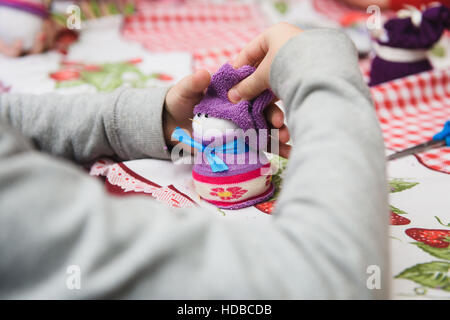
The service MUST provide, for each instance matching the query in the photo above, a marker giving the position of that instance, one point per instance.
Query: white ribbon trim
(399, 55)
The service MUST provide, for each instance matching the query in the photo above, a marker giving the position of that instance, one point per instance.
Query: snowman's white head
(208, 127)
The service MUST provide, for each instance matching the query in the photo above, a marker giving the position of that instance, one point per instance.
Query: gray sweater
(328, 230)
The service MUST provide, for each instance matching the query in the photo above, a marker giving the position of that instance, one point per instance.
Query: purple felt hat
(402, 50)
(246, 114)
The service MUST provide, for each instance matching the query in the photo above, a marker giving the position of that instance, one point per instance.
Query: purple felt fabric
(246, 114)
(382, 70)
(402, 33)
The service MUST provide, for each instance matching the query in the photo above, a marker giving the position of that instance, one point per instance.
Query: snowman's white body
(19, 25)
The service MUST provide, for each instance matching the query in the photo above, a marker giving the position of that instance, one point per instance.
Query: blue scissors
(439, 140)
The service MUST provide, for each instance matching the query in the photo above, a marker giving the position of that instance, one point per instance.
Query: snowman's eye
(206, 115)
(199, 114)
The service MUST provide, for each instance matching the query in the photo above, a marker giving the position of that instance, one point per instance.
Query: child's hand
(182, 98)
(43, 41)
(180, 102)
(260, 53)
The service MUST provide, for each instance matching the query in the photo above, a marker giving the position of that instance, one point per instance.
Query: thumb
(253, 85)
(190, 89)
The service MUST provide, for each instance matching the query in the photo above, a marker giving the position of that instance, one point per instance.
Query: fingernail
(233, 95)
(233, 62)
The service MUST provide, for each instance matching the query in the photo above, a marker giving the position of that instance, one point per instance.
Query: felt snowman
(21, 20)
(230, 171)
(402, 46)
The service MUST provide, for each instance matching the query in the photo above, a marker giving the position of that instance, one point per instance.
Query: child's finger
(192, 87)
(274, 115)
(253, 85)
(284, 135)
(285, 150)
(200, 81)
(189, 90)
(253, 52)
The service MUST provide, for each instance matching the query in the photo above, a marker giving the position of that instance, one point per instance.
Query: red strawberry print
(135, 61)
(65, 75)
(432, 237)
(164, 77)
(398, 220)
(266, 207)
(92, 68)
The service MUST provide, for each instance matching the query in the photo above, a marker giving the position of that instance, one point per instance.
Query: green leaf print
(441, 223)
(438, 51)
(434, 275)
(441, 253)
(396, 210)
(398, 185)
(281, 7)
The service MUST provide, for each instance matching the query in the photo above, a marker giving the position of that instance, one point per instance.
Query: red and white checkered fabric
(332, 9)
(413, 109)
(213, 33)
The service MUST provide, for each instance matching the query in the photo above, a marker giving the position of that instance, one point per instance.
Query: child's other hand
(43, 41)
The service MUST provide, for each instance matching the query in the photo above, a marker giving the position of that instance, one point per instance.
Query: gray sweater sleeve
(329, 226)
(126, 123)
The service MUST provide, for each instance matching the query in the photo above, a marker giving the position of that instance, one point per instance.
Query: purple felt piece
(246, 114)
(382, 70)
(401, 33)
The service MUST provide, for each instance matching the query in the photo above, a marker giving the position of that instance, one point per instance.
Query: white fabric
(399, 55)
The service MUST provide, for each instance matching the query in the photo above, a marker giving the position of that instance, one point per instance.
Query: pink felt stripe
(229, 179)
(230, 204)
